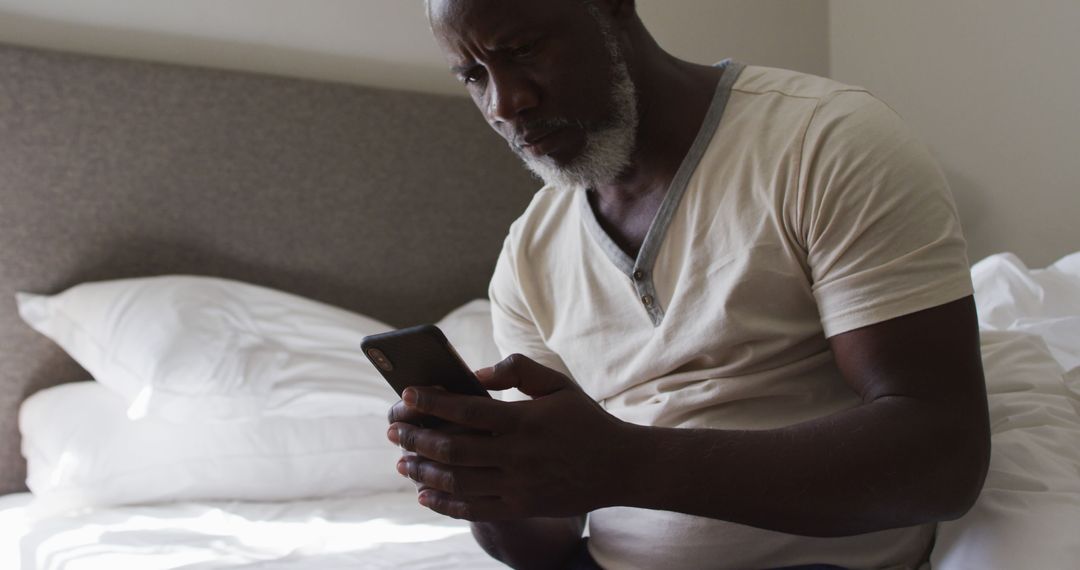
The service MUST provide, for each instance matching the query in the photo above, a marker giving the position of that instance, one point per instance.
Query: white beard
(608, 146)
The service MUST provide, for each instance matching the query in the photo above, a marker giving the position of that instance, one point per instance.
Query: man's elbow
(963, 473)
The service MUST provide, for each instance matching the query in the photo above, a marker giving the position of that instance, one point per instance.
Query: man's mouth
(534, 137)
(540, 142)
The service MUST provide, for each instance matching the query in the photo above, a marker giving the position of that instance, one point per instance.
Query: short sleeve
(514, 328)
(881, 232)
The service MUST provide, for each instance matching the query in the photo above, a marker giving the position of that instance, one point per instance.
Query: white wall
(993, 86)
(384, 43)
(777, 33)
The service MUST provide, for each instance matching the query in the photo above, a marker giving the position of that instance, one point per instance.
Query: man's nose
(509, 95)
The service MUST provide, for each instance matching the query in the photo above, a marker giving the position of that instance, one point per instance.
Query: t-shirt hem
(864, 317)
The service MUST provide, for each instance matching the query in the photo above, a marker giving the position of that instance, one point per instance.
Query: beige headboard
(388, 203)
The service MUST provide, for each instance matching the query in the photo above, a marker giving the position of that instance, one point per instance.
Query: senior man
(741, 307)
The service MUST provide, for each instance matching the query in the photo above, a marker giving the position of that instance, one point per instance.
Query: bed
(132, 192)
(388, 204)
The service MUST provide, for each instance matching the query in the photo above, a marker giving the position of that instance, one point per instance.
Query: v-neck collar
(639, 270)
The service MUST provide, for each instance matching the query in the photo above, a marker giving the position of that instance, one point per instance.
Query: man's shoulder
(818, 109)
(760, 80)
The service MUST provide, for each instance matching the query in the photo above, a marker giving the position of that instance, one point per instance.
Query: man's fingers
(480, 413)
(457, 481)
(525, 374)
(458, 449)
(471, 509)
(399, 412)
(487, 377)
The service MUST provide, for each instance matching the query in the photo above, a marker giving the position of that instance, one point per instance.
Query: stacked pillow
(82, 450)
(208, 388)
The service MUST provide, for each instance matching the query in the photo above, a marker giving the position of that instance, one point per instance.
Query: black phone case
(422, 356)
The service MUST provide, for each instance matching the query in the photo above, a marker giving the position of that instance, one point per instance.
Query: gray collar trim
(639, 270)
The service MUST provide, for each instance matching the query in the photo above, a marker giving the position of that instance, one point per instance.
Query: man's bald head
(551, 77)
(429, 5)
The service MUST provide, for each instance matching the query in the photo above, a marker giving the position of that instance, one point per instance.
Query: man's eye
(472, 76)
(524, 50)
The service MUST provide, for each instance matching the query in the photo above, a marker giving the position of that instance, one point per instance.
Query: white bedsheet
(381, 531)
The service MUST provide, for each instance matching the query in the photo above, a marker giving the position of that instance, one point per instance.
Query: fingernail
(403, 467)
(409, 397)
(423, 499)
(393, 435)
(485, 373)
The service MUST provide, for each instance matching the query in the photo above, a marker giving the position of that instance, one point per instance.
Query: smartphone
(421, 356)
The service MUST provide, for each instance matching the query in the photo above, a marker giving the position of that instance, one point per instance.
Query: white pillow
(81, 450)
(1044, 302)
(1029, 510)
(185, 348)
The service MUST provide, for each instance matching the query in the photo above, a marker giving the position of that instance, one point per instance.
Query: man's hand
(551, 456)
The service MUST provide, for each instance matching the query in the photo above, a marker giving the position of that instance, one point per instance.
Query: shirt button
(647, 300)
(639, 275)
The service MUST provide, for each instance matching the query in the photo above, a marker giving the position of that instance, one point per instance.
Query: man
(740, 306)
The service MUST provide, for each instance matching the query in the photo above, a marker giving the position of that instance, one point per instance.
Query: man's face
(549, 77)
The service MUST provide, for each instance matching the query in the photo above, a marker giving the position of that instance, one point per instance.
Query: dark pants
(583, 561)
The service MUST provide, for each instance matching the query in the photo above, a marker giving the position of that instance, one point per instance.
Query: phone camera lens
(380, 359)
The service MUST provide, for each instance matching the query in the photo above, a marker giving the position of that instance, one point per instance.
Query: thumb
(525, 374)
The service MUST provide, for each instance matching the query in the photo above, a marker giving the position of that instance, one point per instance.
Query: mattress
(381, 531)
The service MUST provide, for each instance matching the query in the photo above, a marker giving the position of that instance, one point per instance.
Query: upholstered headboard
(391, 204)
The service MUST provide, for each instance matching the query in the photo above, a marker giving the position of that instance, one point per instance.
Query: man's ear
(618, 9)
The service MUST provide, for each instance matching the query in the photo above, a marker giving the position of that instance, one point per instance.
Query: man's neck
(674, 97)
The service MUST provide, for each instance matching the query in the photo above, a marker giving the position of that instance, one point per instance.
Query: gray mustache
(518, 140)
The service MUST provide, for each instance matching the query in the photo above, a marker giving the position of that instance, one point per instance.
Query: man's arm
(531, 543)
(915, 451)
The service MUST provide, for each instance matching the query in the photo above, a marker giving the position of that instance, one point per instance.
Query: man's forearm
(531, 543)
(887, 464)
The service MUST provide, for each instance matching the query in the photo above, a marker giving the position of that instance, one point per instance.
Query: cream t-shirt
(804, 209)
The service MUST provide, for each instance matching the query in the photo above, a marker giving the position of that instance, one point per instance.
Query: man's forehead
(457, 13)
